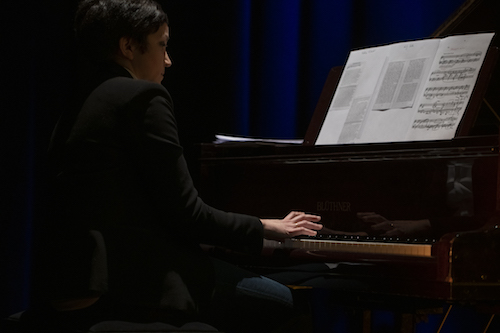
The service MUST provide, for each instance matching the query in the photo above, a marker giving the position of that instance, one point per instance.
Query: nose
(167, 60)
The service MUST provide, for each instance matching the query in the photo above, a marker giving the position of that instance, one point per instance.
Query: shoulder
(121, 96)
(127, 89)
(124, 101)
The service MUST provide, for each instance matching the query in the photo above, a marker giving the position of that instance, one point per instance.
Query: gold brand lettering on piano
(333, 206)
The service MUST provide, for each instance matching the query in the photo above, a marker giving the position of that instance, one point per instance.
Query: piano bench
(12, 324)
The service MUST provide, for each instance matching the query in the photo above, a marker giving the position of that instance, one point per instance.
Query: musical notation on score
(437, 92)
(450, 60)
(452, 74)
(441, 108)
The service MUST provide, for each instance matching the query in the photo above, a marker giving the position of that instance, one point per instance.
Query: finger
(309, 225)
(307, 219)
(300, 216)
(375, 218)
(382, 226)
(312, 217)
(393, 232)
(303, 232)
(293, 214)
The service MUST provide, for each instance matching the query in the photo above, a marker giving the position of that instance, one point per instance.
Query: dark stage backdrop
(246, 67)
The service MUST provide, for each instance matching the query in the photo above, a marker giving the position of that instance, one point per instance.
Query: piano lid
(472, 16)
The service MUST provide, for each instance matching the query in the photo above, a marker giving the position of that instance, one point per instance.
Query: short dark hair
(99, 25)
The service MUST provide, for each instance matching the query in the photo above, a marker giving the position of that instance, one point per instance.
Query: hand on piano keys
(379, 225)
(383, 237)
(293, 225)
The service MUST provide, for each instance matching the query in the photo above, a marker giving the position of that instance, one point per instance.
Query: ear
(126, 48)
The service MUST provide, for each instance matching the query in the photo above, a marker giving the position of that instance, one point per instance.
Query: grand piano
(454, 184)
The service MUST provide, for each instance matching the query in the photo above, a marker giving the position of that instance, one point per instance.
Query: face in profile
(150, 64)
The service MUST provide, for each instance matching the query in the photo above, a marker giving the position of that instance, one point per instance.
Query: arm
(171, 186)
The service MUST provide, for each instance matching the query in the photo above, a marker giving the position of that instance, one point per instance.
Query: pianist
(123, 240)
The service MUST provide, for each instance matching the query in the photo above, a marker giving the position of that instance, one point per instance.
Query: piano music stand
(464, 127)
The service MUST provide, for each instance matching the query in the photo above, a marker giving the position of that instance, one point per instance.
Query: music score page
(407, 91)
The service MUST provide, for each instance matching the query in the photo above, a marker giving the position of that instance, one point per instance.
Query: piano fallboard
(423, 180)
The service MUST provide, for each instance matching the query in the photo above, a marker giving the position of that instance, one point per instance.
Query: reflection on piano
(454, 184)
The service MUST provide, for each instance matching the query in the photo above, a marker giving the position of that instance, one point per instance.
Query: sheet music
(390, 119)
(350, 102)
(449, 87)
(221, 138)
(405, 91)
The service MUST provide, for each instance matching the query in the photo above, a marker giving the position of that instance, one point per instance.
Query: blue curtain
(286, 48)
(246, 67)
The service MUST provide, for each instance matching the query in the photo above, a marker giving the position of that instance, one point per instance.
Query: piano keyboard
(413, 249)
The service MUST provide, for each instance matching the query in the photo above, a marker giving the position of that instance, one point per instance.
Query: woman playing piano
(123, 242)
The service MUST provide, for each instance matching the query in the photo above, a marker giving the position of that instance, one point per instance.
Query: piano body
(397, 182)
(454, 184)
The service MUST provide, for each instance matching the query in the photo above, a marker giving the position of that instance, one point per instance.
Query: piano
(454, 184)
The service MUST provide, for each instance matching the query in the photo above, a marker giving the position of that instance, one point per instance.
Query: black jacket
(127, 219)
